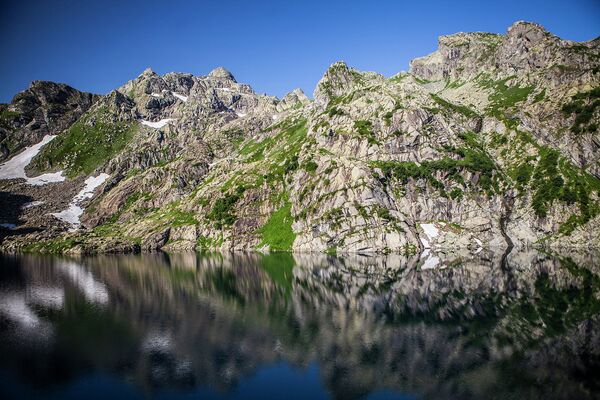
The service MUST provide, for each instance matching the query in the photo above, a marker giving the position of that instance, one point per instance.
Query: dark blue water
(281, 326)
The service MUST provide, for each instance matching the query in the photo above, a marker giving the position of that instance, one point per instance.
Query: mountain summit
(222, 73)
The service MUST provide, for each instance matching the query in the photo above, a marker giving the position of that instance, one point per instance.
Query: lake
(301, 326)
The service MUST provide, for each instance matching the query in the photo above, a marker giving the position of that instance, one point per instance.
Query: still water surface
(249, 326)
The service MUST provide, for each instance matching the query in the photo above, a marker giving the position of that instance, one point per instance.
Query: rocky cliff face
(491, 141)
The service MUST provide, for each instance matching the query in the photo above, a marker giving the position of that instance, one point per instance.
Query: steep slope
(491, 141)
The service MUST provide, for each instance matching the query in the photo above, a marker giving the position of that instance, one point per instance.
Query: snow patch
(240, 114)
(430, 230)
(155, 95)
(225, 89)
(32, 204)
(180, 96)
(46, 178)
(158, 124)
(71, 215)
(479, 244)
(15, 167)
(8, 226)
(91, 184)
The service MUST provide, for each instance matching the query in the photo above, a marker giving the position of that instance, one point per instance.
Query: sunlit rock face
(491, 141)
(367, 324)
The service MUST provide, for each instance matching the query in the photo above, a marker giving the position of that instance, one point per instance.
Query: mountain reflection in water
(300, 326)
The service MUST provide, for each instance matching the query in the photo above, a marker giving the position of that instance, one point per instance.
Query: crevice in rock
(507, 205)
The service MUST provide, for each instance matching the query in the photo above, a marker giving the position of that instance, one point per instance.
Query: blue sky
(274, 46)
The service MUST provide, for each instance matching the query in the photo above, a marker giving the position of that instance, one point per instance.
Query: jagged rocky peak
(531, 52)
(45, 93)
(528, 31)
(294, 99)
(148, 72)
(526, 48)
(298, 93)
(147, 83)
(460, 54)
(151, 81)
(44, 108)
(221, 73)
(337, 80)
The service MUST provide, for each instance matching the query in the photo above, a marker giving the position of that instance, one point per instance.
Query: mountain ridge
(489, 141)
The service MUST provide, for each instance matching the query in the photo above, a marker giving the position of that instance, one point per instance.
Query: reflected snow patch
(50, 297)
(431, 261)
(158, 342)
(94, 291)
(16, 309)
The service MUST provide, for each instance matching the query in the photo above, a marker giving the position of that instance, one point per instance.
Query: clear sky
(274, 46)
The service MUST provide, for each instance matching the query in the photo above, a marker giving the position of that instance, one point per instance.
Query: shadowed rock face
(489, 142)
(471, 327)
(45, 108)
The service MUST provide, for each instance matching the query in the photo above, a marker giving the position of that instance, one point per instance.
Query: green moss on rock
(583, 107)
(277, 233)
(86, 145)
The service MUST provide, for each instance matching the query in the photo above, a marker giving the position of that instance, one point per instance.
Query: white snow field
(431, 232)
(180, 96)
(73, 212)
(157, 125)
(15, 167)
(32, 204)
